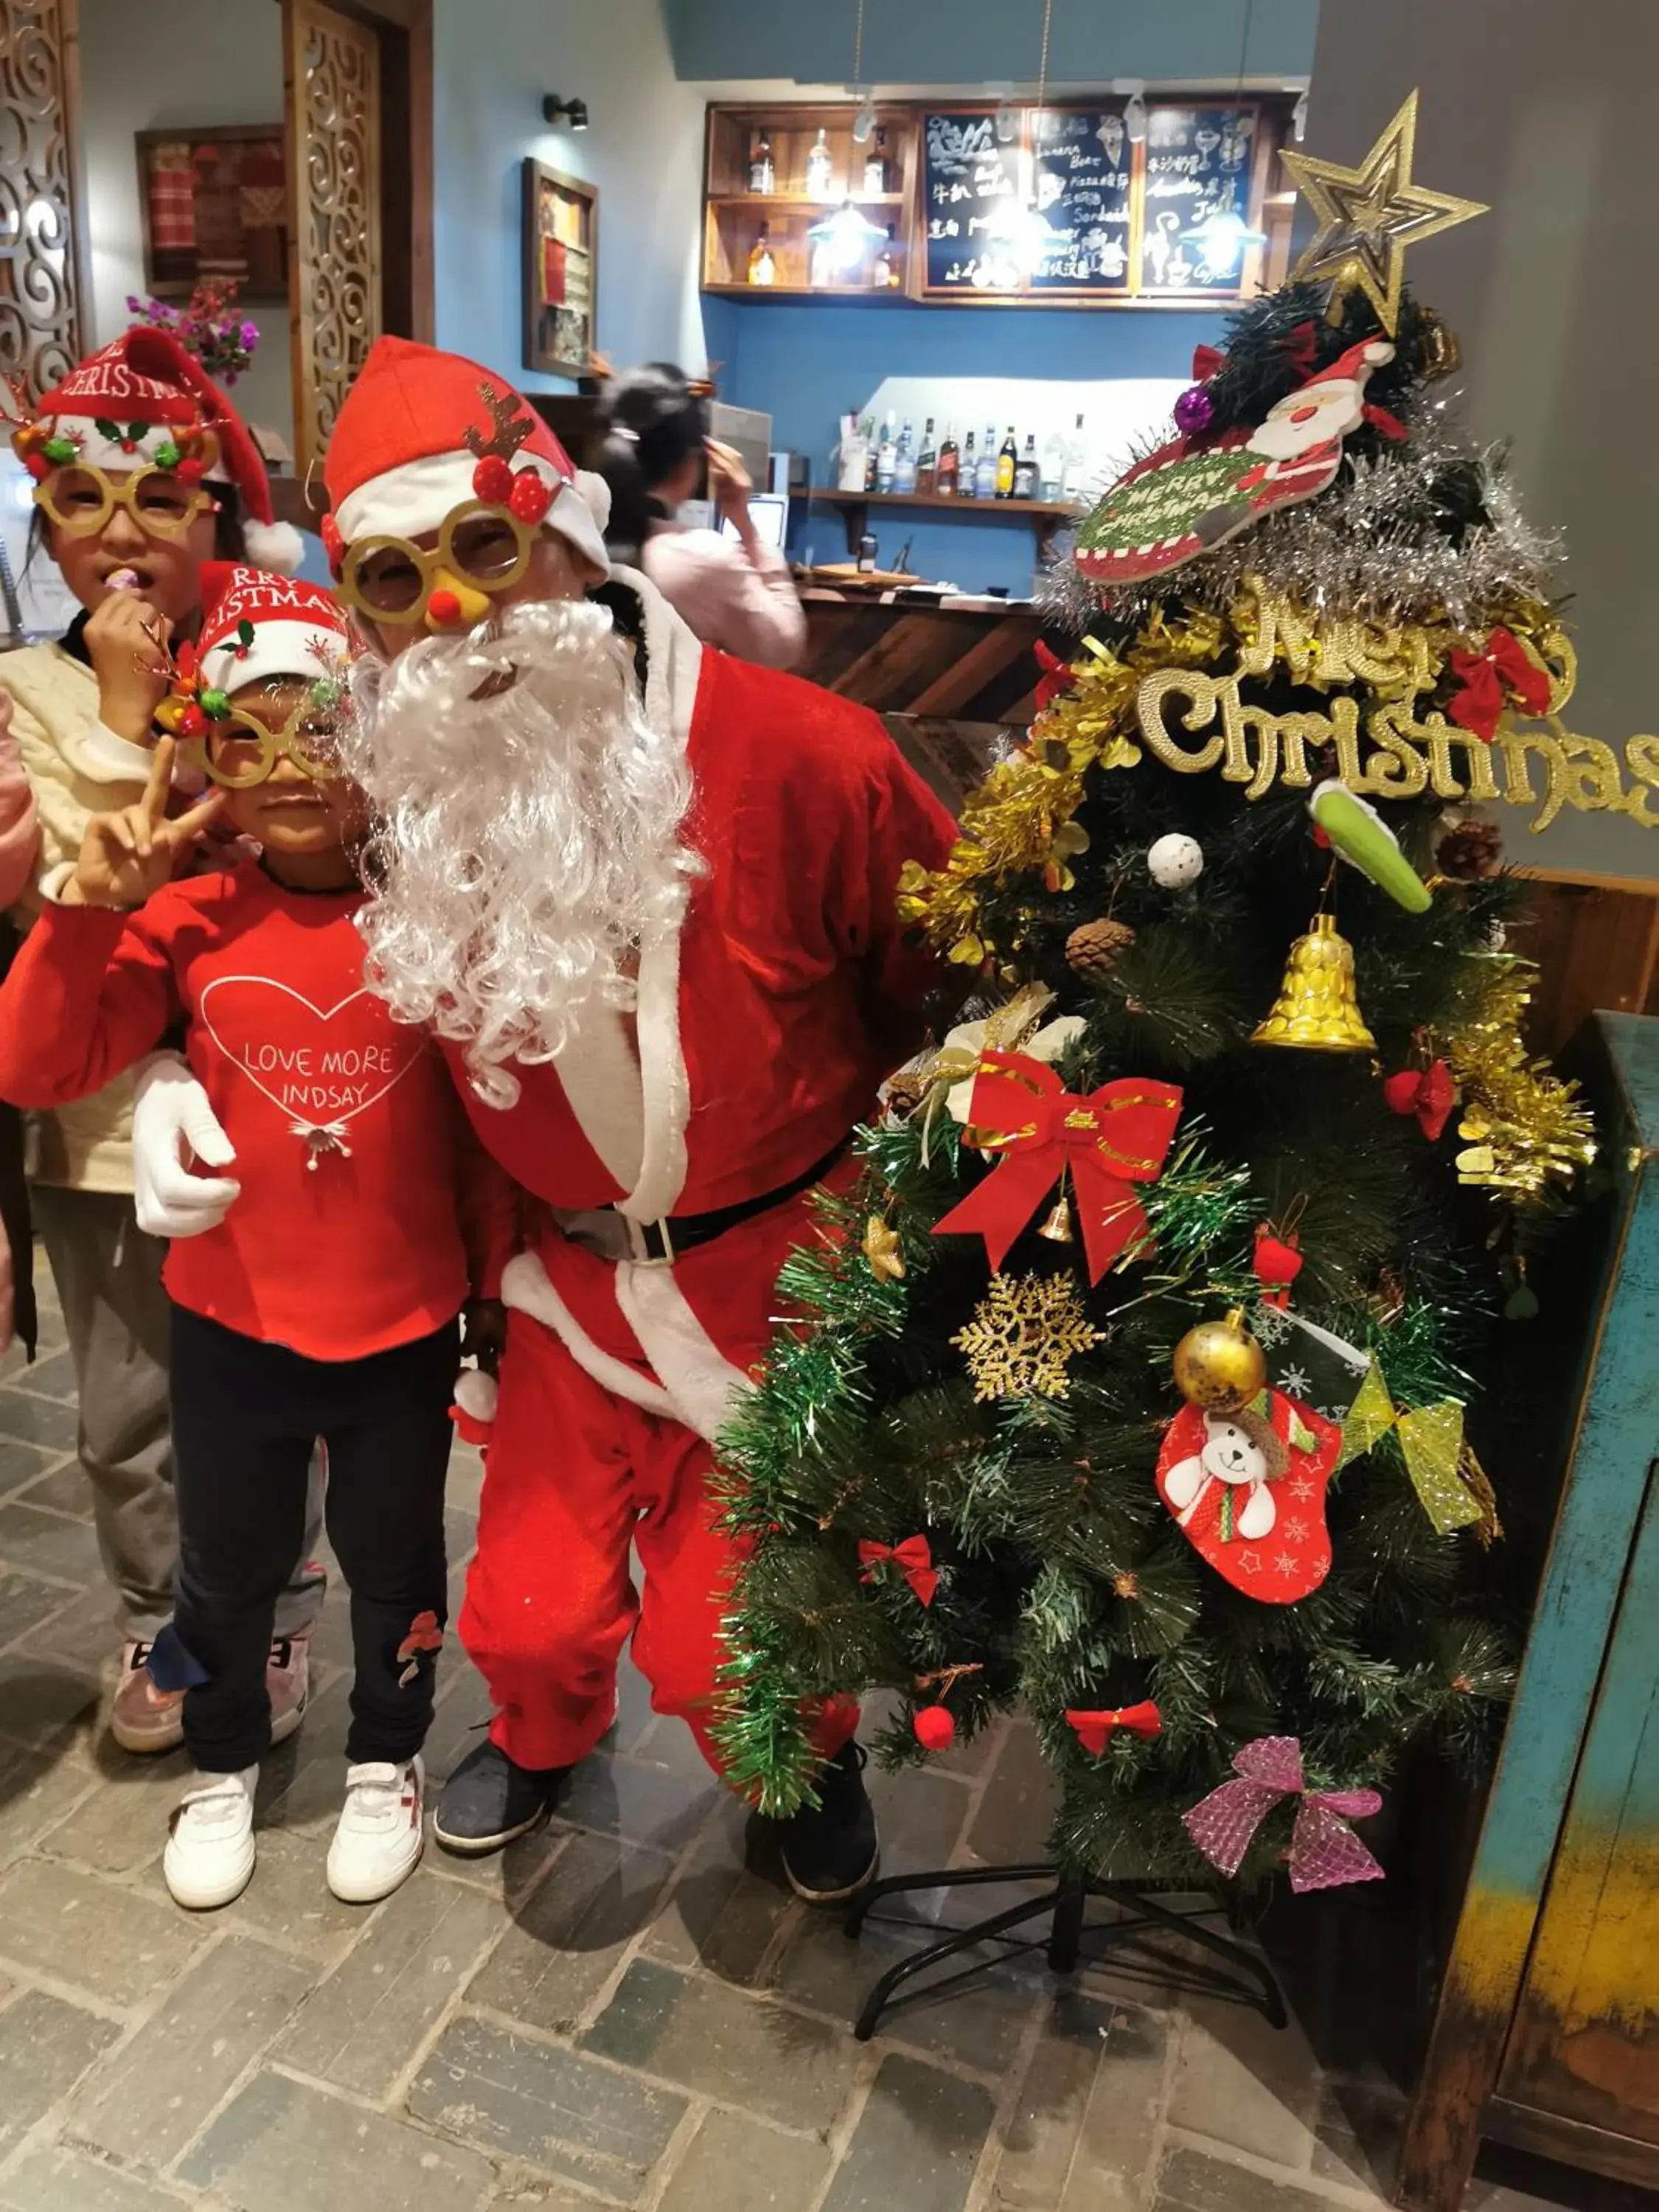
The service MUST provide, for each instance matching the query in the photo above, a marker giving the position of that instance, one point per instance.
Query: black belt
(682, 1232)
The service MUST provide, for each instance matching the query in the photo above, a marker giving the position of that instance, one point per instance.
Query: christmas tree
(1129, 1383)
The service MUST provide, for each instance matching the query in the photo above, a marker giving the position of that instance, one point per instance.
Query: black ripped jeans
(245, 1417)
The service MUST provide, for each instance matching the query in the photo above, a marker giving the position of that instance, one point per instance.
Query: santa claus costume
(654, 926)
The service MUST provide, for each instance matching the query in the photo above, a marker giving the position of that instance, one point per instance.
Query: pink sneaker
(143, 1718)
(287, 1679)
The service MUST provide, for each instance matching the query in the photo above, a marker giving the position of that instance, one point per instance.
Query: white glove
(170, 1114)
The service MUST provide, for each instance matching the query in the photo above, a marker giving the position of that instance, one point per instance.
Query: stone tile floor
(617, 2012)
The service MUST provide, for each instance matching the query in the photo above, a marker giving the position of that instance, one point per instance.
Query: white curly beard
(524, 842)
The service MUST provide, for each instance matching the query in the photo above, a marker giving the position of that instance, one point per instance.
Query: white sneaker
(209, 1853)
(381, 1834)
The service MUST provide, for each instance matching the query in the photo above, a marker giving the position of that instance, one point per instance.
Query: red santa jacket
(366, 1208)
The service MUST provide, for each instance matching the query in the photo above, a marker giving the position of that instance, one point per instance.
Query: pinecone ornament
(1470, 851)
(1092, 948)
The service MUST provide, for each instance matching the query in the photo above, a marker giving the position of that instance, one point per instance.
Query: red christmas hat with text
(422, 433)
(258, 627)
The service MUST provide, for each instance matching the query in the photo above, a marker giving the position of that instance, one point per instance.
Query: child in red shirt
(325, 1304)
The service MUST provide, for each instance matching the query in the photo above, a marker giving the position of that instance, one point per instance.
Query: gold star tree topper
(1369, 216)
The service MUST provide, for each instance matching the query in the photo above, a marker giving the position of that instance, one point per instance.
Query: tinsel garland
(1528, 1130)
(1375, 546)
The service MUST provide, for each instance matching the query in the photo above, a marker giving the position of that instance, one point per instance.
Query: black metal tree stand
(1229, 1969)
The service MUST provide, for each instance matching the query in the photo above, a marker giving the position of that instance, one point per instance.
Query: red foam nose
(444, 607)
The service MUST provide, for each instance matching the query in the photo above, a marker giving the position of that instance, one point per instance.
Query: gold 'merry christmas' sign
(1194, 722)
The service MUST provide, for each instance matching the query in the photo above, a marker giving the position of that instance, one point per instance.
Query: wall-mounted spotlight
(574, 111)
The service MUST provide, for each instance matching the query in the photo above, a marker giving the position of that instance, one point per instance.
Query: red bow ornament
(1502, 670)
(1278, 1264)
(1057, 678)
(1095, 1730)
(1206, 360)
(913, 1559)
(1115, 1138)
(1325, 1852)
(1430, 1093)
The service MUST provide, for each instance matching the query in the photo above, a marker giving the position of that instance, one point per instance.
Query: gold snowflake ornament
(1021, 1335)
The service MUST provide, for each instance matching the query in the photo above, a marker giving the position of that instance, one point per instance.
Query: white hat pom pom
(477, 1394)
(276, 545)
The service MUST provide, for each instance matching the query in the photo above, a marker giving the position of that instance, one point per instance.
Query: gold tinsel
(1018, 822)
(1526, 1132)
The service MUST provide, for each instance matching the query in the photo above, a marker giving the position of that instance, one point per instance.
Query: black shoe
(830, 1849)
(488, 1800)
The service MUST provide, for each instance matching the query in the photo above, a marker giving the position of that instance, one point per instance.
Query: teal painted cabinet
(1547, 2032)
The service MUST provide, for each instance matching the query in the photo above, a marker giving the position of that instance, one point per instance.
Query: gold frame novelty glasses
(168, 515)
(273, 743)
(459, 550)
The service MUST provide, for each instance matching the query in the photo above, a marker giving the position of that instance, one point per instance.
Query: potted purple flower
(209, 325)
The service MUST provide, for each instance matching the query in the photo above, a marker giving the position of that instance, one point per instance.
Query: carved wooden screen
(40, 250)
(333, 73)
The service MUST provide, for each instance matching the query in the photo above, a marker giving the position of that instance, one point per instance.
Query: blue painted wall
(807, 363)
(936, 42)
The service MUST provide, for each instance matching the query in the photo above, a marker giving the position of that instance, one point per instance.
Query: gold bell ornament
(1219, 1365)
(1317, 1010)
(1058, 1227)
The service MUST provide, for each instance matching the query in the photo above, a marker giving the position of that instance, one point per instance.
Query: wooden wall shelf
(733, 214)
(1046, 516)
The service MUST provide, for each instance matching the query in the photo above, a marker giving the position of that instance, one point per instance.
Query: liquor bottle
(886, 457)
(762, 176)
(824, 267)
(867, 553)
(985, 469)
(820, 171)
(1051, 477)
(950, 462)
(875, 164)
(1007, 462)
(1025, 469)
(762, 270)
(884, 277)
(851, 456)
(968, 480)
(1076, 462)
(871, 451)
(928, 463)
(904, 464)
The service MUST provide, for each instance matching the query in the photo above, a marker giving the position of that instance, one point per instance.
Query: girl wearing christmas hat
(142, 471)
(326, 1303)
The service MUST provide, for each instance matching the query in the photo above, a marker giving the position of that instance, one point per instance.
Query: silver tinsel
(1373, 546)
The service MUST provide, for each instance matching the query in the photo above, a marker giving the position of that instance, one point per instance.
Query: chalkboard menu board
(1196, 198)
(1081, 163)
(970, 185)
(1069, 209)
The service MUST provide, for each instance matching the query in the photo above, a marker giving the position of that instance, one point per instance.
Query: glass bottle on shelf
(872, 452)
(875, 163)
(824, 266)
(1076, 462)
(904, 462)
(1051, 477)
(884, 277)
(1025, 469)
(968, 482)
(867, 553)
(1007, 461)
(886, 457)
(762, 269)
(851, 456)
(950, 462)
(985, 470)
(927, 462)
(762, 176)
(820, 170)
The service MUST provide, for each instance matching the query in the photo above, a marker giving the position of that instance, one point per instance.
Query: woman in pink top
(737, 595)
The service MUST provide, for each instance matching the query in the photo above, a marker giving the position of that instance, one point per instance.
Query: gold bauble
(1317, 1010)
(1219, 1364)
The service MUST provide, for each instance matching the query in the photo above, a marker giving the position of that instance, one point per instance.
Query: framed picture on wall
(560, 271)
(214, 206)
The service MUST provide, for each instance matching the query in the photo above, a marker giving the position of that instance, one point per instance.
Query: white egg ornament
(1175, 861)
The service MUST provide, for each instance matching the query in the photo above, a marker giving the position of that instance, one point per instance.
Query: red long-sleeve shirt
(367, 1210)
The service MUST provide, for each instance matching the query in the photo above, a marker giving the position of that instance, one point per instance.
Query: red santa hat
(422, 432)
(257, 627)
(143, 393)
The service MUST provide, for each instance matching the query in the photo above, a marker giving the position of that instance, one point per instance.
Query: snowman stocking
(1248, 1491)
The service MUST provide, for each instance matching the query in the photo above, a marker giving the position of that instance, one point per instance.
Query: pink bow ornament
(1325, 1852)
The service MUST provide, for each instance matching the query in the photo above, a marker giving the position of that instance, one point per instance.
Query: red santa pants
(576, 1474)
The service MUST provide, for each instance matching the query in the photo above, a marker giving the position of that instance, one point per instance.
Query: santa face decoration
(1248, 1491)
(1189, 496)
